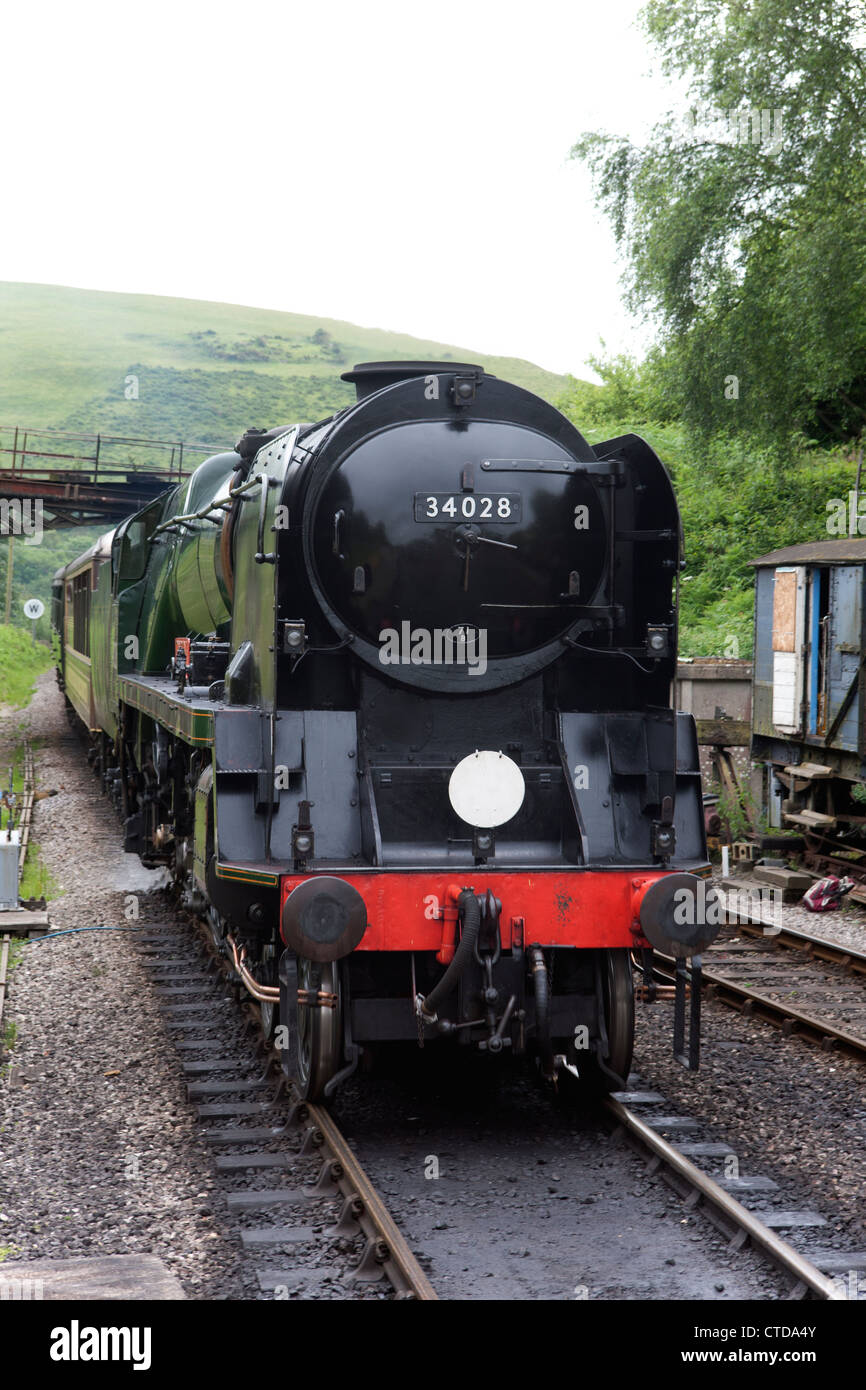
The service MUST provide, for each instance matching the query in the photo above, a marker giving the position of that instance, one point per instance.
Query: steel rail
(793, 1022)
(4, 970)
(363, 1208)
(816, 946)
(779, 1250)
(386, 1245)
(26, 806)
(752, 1002)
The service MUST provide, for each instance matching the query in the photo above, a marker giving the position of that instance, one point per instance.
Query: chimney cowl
(372, 376)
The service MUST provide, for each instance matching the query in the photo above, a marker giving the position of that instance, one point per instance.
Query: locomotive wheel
(319, 1029)
(217, 928)
(270, 1013)
(617, 988)
(598, 1075)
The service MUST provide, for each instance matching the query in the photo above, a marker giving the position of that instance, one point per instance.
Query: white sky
(399, 165)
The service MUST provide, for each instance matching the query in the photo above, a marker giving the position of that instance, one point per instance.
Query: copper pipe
(266, 994)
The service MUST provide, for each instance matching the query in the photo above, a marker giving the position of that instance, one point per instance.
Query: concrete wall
(705, 685)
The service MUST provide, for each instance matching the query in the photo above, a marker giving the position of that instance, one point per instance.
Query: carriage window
(81, 613)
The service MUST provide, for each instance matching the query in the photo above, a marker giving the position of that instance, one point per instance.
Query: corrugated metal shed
(845, 551)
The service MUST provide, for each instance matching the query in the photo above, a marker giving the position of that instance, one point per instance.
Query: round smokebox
(324, 919)
(681, 914)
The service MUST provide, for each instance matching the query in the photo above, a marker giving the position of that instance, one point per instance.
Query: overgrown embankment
(21, 661)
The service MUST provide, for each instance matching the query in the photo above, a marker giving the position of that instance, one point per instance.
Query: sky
(398, 165)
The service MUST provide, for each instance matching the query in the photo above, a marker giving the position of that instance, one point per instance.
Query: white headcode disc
(486, 789)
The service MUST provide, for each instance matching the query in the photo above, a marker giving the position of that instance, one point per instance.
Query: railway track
(297, 1139)
(697, 1187)
(289, 1174)
(27, 795)
(807, 986)
(816, 947)
(296, 1133)
(363, 1209)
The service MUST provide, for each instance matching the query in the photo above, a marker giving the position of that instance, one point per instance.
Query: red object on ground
(827, 893)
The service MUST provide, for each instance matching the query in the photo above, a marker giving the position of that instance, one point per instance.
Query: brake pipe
(469, 906)
(450, 913)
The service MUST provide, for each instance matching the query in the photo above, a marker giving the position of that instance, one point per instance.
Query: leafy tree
(631, 394)
(743, 217)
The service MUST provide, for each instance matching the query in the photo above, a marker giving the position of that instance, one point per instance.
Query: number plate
(503, 507)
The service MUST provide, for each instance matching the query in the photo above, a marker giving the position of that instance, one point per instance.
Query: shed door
(846, 584)
(789, 610)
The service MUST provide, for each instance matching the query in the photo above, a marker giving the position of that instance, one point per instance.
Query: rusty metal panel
(788, 633)
(785, 611)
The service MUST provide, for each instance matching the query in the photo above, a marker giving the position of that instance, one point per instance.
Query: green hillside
(205, 371)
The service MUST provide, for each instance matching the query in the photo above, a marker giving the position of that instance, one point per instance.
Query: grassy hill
(205, 371)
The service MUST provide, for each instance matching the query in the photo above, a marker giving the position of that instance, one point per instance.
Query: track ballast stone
(99, 1150)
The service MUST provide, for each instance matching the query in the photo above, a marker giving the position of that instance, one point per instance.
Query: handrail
(28, 459)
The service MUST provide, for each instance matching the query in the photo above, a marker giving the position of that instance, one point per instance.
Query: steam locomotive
(389, 694)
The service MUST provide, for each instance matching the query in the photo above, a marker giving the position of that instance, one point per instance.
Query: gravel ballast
(99, 1149)
(788, 1110)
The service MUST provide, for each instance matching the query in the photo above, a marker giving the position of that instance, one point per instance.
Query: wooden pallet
(812, 820)
(809, 772)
